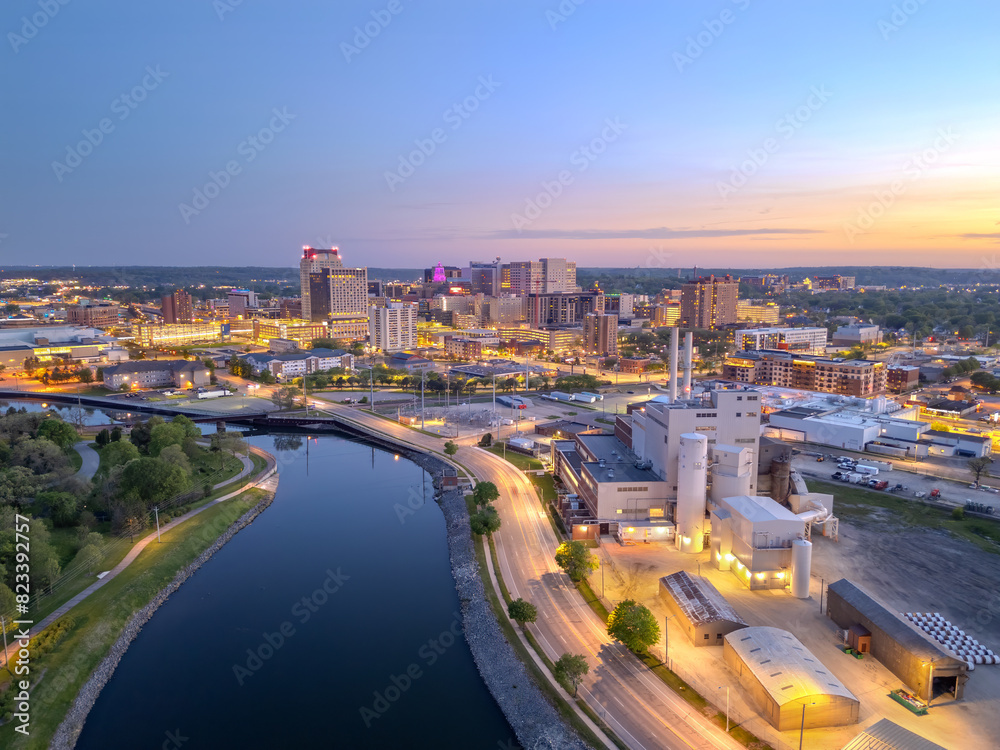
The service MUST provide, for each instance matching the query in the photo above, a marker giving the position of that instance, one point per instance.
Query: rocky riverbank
(70, 728)
(534, 721)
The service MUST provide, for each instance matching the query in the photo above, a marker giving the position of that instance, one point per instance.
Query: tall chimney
(688, 357)
(675, 340)
(692, 470)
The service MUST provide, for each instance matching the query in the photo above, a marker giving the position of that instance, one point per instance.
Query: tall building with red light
(334, 294)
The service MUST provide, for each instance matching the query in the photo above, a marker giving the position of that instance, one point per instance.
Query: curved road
(643, 711)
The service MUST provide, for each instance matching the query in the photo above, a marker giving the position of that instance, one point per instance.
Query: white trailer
(871, 471)
(587, 398)
(216, 393)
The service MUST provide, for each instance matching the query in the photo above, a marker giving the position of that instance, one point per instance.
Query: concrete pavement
(91, 460)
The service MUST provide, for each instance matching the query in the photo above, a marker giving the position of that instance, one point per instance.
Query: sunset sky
(727, 133)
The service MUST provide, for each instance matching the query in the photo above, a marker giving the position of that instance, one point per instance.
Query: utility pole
(3, 624)
(156, 510)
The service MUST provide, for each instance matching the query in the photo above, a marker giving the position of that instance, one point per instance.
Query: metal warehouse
(789, 686)
(885, 735)
(919, 662)
(699, 608)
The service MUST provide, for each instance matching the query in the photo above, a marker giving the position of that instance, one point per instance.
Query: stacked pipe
(956, 640)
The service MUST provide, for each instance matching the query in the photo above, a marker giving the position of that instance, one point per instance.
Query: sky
(730, 133)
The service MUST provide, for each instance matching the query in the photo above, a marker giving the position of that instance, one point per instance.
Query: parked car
(837, 475)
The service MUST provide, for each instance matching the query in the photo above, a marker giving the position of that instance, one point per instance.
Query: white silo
(692, 479)
(801, 564)
(688, 363)
(675, 339)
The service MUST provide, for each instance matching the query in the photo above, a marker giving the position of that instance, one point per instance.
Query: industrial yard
(908, 567)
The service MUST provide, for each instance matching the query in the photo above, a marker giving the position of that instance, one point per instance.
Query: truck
(586, 398)
(869, 470)
(596, 396)
(880, 485)
(560, 396)
(855, 478)
(213, 393)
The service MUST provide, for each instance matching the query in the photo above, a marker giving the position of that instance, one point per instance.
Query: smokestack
(692, 480)
(675, 340)
(688, 357)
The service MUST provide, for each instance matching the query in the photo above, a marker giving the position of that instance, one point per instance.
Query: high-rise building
(241, 302)
(600, 333)
(545, 276)
(757, 311)
(559, 275)
(485, 278)
(177, 307)
(393, 328)
(561, 308)
(526, 277)
(331, 292)
(709, 302)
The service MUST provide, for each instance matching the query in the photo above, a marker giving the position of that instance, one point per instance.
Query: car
(837, 475)
(631, 393)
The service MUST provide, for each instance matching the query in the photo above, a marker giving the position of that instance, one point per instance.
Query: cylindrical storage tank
(801, 566)
(688, 363)
(692, 480)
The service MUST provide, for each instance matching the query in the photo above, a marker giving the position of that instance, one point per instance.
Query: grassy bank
(98, 620)
(522, 462)
(856, 505)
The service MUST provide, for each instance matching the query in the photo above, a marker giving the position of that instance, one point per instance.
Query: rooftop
(700, 601)
(787, 669)
(891, 623)
(759, 508)
(885, 735)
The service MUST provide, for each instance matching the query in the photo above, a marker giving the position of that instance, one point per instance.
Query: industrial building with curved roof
(789, 685)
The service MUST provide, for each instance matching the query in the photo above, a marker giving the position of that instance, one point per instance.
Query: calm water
(67, 412)
(333, 524)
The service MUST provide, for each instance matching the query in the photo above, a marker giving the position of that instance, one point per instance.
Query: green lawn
(519, 460)
(99, 619)
(857, 505)
(75, 459)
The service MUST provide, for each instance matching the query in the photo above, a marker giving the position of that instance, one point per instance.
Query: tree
(141, 435)
(59, 432)
(450, 448)
(980, 467)
(570, 669)
(576, 560)
(162, 435)
(42, 456)
(174, 454)
(118, 454)
(485, 521)
(86, 375)
(941, 426)
(61, 507)
(100, 374)
(103, 437)
(284, 397)
(116, 434)
(522, 612)
(151, 481)
(486, 440)
(485, 493)
(89, 557)
(634, 625)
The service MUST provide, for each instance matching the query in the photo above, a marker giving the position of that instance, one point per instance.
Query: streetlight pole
(156, 510)
(3, 624)
(727, 706)
(422, 373)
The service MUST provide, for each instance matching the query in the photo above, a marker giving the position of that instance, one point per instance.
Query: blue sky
(633, 133)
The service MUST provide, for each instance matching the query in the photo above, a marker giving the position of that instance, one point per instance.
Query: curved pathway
(91, 460)
(267, 481)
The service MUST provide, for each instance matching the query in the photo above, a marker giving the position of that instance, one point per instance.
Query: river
(328, 622)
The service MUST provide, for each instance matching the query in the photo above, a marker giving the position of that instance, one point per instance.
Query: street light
(727, 706)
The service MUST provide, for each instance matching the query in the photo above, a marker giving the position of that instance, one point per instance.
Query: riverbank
(70, 728)
(534, 721)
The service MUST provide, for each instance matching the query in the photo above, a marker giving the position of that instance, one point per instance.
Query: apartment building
(709, 302)
(849, 377)
(794, 339)
(393, 328)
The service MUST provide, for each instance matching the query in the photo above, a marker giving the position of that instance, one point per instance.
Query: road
(643, 711)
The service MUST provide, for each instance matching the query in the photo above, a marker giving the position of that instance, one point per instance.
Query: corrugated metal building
(919, 662)
(884, 735)
(699, 608)
(789, 686)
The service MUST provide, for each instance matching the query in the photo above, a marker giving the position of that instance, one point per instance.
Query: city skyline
(735, 135)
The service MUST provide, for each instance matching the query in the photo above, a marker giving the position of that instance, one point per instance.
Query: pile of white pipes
(962, 645)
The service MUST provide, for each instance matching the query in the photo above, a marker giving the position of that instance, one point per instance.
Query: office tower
(332, 292)
(241, 301)
(709, 302)
(177, 307)
(485, 278)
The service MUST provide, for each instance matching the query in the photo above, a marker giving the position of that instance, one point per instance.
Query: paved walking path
(267, 482)
(91, 460)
